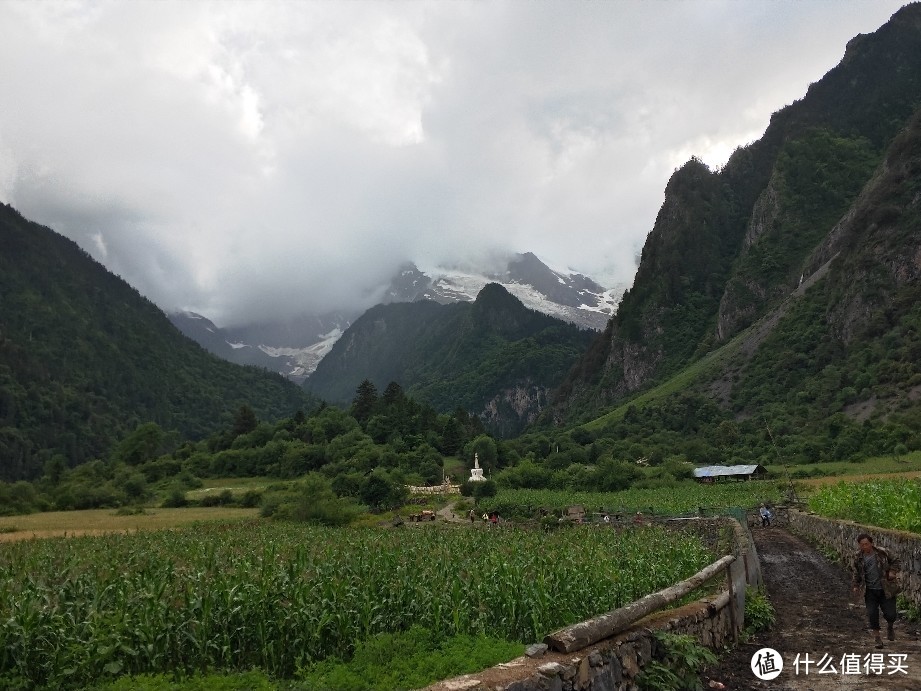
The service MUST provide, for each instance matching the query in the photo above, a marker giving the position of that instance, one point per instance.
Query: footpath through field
(817, 617)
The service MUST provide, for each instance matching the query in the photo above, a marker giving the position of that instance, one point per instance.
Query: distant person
(765, 514)
(638, 518)
(875, 571)
(472, 516)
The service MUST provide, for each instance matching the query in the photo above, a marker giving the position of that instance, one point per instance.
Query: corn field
(276, 597)
(892, 504)
(671, 501)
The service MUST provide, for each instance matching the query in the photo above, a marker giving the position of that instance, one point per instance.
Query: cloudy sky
(266, 158)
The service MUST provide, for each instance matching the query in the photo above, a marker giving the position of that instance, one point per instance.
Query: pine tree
(244, 421)
(364, 402)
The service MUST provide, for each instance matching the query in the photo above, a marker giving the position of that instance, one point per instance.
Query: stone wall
(840, 538)
(446, 488)
(614, 663)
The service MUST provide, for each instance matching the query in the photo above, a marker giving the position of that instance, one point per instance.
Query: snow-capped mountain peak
(571, 297)
(294, 347)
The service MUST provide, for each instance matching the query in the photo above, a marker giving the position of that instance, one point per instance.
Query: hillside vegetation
(84, 359)
(780, 292)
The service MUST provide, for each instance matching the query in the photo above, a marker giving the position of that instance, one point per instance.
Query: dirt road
(818, 618)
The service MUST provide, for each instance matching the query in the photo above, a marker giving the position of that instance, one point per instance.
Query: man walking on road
(876, 572)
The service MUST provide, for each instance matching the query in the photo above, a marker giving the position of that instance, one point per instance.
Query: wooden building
(721, 473)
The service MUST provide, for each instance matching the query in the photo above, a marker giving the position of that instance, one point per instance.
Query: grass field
(907, 465)
(834, 480)
(102, 521)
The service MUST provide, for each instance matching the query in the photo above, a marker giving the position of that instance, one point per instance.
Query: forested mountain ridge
(492, 357)
(84, 358)
(728, 247)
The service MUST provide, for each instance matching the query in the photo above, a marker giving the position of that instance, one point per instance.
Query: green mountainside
(493, 357)
(84, 359)
(776, 305)
(729, 247)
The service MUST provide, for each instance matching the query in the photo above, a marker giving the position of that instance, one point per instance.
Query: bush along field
(283, 597)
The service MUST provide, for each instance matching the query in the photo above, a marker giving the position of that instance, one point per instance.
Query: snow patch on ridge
(308, 357)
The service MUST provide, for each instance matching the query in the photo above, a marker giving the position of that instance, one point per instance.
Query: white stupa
(476, 472)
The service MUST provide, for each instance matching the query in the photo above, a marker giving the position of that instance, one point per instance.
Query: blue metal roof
(723, 470)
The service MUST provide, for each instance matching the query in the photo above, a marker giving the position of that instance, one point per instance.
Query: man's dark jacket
(884, 560)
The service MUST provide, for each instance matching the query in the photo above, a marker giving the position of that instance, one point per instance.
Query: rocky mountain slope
(819, 191)
(493, 357)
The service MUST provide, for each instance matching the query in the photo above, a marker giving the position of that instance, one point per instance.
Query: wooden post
(733, 619)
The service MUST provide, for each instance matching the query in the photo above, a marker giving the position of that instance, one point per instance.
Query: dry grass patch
(236, 485)
(101, 521)
(856, 478)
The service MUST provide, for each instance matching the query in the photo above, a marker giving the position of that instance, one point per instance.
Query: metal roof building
(712, 473)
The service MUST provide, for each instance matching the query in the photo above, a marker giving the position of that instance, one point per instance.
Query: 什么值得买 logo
(767, 664)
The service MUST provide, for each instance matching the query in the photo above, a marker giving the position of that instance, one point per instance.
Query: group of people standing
(492, 517)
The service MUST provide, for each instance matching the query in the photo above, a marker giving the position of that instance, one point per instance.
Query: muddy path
(818, 617)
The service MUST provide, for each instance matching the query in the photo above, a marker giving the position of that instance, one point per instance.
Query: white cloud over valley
(253, 159)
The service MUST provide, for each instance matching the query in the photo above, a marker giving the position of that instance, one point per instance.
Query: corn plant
(683, 499)
(279, 597)
(892, 503)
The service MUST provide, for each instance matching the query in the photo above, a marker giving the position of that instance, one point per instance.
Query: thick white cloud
(248, 158)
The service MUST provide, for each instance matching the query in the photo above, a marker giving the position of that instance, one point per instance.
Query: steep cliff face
(728, 247)
(514, 408)
(815, 179)
(674, 298)
(878, 246)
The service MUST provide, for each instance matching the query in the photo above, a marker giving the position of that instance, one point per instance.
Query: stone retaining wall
(613, 664)
(445, 488)
(840, 537)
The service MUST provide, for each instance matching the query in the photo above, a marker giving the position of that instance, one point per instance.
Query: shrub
(682, 659)
(251, 499)
(175, 499)
(311, 500)
(224, 498)
(759, 612)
